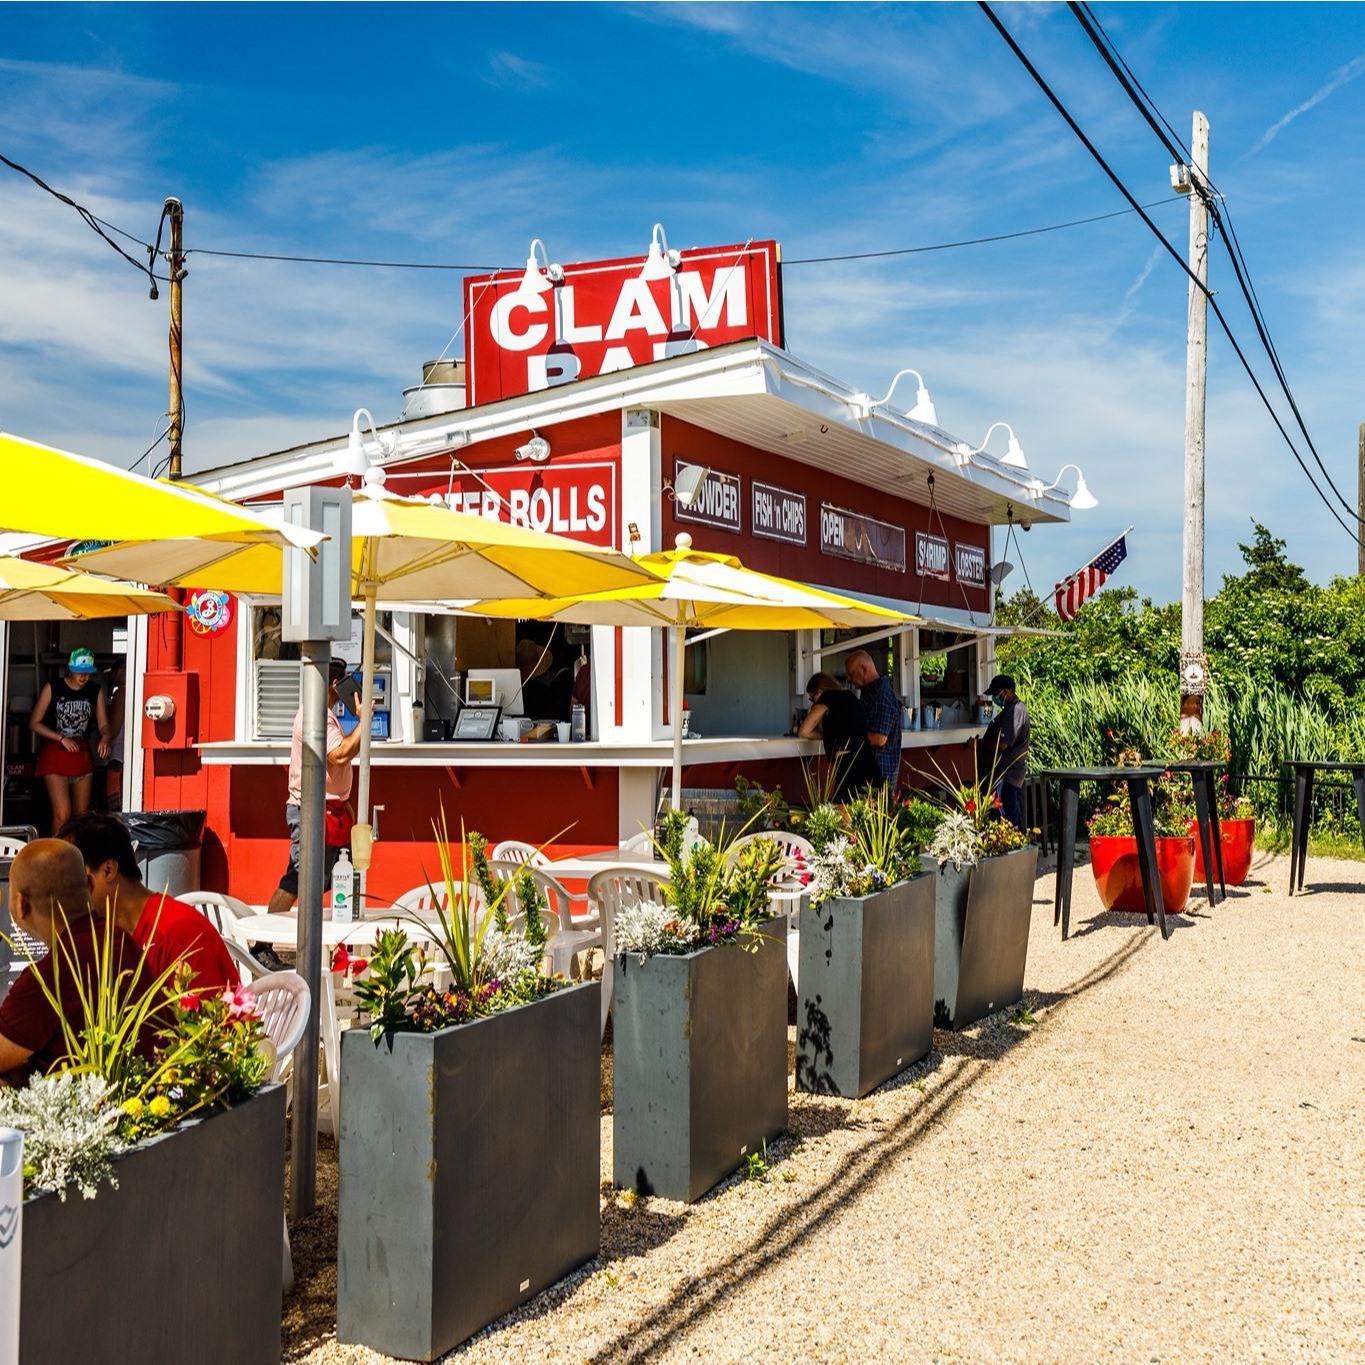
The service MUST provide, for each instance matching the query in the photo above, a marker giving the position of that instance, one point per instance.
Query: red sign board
(604, 317)
(574, 500)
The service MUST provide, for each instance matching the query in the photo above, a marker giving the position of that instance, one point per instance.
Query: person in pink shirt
(341, 752)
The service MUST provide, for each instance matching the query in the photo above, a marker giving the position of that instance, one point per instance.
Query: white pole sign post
(316, 611)
(11, 1240)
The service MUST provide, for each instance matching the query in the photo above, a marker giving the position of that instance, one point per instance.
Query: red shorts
(53, 760)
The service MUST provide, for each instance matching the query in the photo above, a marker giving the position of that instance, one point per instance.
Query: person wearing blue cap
(66, 711)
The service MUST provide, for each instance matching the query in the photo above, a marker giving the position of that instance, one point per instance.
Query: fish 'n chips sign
(603, 317)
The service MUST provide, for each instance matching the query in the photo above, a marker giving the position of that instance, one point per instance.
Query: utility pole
(175, 411)
(1194, 670)
(1360, 496)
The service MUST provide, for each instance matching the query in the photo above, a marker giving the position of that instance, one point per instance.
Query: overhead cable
(1171, 250)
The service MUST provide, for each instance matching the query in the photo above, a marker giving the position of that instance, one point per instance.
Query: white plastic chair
(220, 909)
(571, 936)
(10, 846)
(282, 1003)
(789, 891)
(248, 968)
(518, 851)
(420, 898)
(609, 891)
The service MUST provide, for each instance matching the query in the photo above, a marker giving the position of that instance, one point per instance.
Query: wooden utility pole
(1360, 496)
(175, 411)
(1193, 664)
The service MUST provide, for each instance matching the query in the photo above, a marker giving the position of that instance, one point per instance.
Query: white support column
(134, 760)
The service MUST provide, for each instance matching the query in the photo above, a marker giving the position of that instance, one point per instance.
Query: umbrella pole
(361, 846)
(675, 708)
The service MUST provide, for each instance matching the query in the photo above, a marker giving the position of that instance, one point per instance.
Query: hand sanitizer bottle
(343, 890)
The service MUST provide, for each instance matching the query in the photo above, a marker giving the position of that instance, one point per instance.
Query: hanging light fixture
(533, 281)
(923, 411)
(1014, 453)
(1082, 500)
(661, 263)
(358, 459)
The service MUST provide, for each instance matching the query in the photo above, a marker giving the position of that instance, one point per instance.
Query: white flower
(507, 955)
(832, 870)
(956, 841)
(640, 928)
(68, 1126)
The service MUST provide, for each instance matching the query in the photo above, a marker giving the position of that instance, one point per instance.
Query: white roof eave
(715, 389)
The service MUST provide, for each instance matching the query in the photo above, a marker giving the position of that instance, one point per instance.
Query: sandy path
(1168, 1163)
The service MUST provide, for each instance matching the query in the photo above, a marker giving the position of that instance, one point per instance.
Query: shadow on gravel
(784, 1234)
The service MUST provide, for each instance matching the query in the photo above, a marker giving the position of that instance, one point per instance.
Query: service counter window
(894, 655)
(739, 683)
(947, 677)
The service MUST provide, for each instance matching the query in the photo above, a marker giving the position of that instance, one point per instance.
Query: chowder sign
(604, 317)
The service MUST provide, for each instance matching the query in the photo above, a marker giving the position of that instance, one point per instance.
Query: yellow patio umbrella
(408, 550)
(54, 493)
(694, 588)
(45, 592)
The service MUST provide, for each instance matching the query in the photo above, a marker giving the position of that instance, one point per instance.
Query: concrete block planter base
(866, 1006)
(469, 1171)
(700, 1063)
(981, 935)
(183, 1261)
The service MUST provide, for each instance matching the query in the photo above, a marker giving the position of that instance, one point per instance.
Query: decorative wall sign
(931, 556)
(969, 564)
(851, 535)
(778, 513)
(209, 613)
(717, 500)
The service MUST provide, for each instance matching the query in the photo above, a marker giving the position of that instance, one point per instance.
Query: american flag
(1088, 581)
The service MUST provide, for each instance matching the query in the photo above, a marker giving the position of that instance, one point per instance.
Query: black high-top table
(1204, 775)
(1304, 771)
(1140, 798)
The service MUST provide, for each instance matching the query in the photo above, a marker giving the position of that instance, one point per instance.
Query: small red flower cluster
(343, 962)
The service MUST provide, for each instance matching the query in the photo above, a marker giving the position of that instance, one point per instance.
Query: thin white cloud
(1343, 75)
(508, 70)
(1128, 307)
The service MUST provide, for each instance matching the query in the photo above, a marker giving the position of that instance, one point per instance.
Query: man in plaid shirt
(882, 712)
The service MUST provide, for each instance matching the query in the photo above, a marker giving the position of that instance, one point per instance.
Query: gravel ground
(1159, 1157)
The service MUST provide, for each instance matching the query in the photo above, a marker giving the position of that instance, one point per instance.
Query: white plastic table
(587, 865)
(282, 931)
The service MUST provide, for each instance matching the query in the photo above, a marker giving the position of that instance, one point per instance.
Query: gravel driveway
(1160, 1158)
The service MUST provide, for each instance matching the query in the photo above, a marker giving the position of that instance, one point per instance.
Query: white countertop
(651, 754)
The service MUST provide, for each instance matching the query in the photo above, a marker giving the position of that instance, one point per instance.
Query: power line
(976, 241)
(337, 260)
(1175, 255)
(93, 223)
(1147, 107)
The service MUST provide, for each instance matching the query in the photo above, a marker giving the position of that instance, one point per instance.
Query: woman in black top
(837, 720)
(66, 712)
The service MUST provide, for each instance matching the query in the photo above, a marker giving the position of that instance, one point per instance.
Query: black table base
(1304, 775)
(1204, 777)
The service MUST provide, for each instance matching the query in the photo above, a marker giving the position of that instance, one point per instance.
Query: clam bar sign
(574, 500)
(603, 317)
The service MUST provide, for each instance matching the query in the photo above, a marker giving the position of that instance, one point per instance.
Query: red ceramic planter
(1114, 861)
(1239, 843)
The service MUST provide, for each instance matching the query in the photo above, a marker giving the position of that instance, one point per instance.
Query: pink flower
(241, 1003)
(805, 878)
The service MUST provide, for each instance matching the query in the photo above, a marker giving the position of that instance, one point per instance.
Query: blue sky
(457, 133)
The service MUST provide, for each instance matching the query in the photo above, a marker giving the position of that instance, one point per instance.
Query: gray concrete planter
(700, 1049)
(470, 1167)
(183, 1261)
(866, 1007)
(981, 935)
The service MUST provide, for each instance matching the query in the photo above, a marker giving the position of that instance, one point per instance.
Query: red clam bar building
(590, 406)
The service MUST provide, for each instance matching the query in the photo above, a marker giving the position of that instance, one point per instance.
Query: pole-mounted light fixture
(688, 484)
(1014, 453)
(536, 450)
(533, 282)
(358, 459)
(661, 263)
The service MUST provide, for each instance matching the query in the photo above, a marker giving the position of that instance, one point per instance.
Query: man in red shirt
(49, 897)
(167, 930)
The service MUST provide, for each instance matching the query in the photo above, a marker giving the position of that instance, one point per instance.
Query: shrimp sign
(603, 317)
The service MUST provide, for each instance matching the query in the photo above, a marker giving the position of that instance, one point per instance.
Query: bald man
(881, 714)
(49, 898)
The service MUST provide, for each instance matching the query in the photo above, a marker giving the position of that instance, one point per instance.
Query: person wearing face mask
(1003, 751)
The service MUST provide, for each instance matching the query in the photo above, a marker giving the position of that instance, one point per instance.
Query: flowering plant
(714, 894)
(974, 826)
(493, 956)
(70, 1132)
(1203, 746)
(1172, 811)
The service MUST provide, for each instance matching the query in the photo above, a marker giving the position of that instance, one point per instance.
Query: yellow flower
(132, 1107)
(159, 1107)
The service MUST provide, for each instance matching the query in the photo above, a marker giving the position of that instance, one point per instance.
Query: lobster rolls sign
(603, 316)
